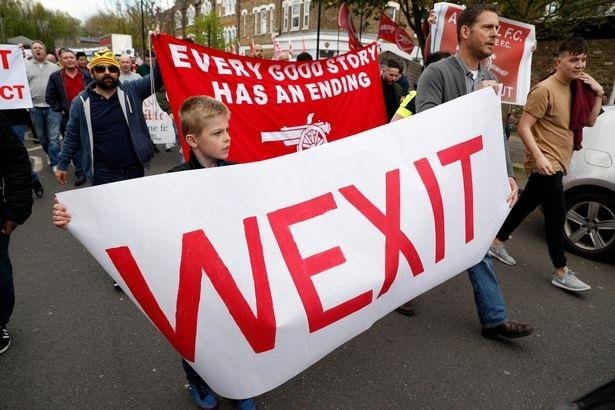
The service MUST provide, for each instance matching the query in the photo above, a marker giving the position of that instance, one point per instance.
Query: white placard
(158, 122)
(254, 272)
(14, 88)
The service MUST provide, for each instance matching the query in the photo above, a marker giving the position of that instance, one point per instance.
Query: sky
(84, 9)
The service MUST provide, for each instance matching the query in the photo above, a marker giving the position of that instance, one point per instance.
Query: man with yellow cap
(107, 126)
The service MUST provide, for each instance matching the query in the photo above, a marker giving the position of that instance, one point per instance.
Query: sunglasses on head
(99, 69)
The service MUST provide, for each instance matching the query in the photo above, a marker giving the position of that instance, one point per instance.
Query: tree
(124, 17)
(414, 12)
(207, 30)
(553, 18)
(18, 17)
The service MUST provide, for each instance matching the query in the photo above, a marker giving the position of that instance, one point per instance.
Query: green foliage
(207, 30)
(18, 17)
(413, 11)
(124, 17)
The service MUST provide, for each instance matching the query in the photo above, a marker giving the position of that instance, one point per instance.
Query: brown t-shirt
(550, 102)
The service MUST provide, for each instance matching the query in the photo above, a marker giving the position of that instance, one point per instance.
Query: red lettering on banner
(462, 152)
(7, 92)
(302, 269)
(4, 58)
(435, 198)
(198, 256)
(389, 224)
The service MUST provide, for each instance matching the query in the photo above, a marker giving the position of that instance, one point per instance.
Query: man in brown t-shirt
(544, 129)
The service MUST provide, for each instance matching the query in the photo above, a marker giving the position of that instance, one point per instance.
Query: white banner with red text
(158, 122)
(254, 272)
(278, 107)
(14, 88)
(511, 61)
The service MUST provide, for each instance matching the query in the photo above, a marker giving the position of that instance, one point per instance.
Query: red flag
(344, 20)
(394, 33)
(277, 107)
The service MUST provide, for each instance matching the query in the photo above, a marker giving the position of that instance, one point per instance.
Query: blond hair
(197, 110)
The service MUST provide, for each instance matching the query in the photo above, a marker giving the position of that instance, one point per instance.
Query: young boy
(205, 125)
(549, 139)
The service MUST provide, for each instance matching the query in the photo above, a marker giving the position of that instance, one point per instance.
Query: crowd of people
(95, 106)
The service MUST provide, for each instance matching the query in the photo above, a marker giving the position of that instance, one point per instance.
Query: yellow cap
(103, 57)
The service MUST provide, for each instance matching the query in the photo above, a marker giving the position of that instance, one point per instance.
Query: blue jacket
(79, 128)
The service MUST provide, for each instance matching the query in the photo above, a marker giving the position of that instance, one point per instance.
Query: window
(206, 8)
(178, 19)
(285, 12)
(229, 7)
(190, 11)
(295, 16)
(264, 19)
(306, 13)
(244, 22)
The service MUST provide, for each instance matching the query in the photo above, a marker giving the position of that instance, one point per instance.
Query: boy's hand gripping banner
(511, 61)
(277, 107)
(14, 88)
(254, 272)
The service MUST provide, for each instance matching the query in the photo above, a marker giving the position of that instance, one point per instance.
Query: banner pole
(337, 51)
(318, 33)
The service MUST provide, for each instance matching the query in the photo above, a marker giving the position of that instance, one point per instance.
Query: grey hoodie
(38, 77)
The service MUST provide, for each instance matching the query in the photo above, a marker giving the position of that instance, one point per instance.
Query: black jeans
(7, 293)
(548, 192)
(191, 375)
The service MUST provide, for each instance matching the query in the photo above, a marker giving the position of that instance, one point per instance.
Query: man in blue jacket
(107, 126)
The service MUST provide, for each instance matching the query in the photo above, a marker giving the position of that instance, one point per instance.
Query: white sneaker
(570, 282)
(499, 252)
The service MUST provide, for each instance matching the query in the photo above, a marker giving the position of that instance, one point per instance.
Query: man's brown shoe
(508, 330)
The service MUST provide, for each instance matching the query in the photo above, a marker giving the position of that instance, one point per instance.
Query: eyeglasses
(99, 69)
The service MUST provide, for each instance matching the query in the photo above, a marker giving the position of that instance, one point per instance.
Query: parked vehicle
(117, 43)
(589, 189)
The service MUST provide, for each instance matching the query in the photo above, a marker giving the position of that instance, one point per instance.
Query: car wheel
(590, 224)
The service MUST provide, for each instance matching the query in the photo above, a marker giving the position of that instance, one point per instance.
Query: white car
(589, 189)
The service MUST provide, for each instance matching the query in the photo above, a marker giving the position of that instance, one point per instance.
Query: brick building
(293, 23)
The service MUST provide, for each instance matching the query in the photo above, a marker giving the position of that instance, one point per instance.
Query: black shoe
(156, 150)
(5, 340)
(80, 180)
(406, 309)
(509, 330)
(167, 149)
(38, 189)
(36, 140)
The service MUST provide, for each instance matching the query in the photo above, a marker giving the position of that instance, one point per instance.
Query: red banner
(394, 33)
(344, 20)
(512, 58)
(277, 107)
